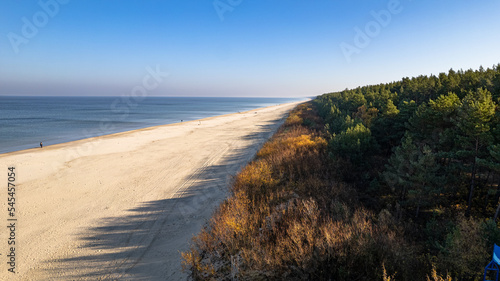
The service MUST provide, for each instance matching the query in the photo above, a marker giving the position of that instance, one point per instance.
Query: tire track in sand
(117, 271)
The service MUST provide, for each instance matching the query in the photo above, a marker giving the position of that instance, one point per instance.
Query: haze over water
(27, 121)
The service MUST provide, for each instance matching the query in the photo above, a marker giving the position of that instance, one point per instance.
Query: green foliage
(391, 109)
(475, 113)
(418, 153)
(468, 248)
(287, 219)
(414, 174)
(429, 151)
(473, 126)
(454, 116)
(352, 143)
(445, 104)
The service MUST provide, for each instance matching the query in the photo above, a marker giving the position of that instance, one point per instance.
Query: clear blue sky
(269, 48)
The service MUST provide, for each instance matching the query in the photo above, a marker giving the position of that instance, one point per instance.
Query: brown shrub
(288, 219)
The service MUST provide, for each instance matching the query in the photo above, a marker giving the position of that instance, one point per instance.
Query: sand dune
(123, 206)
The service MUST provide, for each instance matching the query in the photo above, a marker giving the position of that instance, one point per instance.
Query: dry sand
(123, 206)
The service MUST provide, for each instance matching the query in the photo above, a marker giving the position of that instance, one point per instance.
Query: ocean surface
(27, 121)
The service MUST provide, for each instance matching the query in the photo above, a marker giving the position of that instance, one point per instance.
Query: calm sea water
(26, 121)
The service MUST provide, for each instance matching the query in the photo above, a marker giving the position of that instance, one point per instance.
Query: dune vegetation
(397, 181)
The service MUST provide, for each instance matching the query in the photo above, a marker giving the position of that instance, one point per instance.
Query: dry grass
(288, 219)
(436, 277)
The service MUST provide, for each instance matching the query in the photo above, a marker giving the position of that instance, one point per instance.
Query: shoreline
(123, 205)
(64, 143)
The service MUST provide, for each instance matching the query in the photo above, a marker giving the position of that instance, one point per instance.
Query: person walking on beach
(41, 145)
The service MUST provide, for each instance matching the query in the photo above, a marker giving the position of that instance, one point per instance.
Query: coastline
(123, 205)
(55, 120)
(110, 135)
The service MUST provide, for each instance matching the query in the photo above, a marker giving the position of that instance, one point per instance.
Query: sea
(27, 121)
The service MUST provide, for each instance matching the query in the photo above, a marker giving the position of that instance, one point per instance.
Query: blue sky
(256, 48)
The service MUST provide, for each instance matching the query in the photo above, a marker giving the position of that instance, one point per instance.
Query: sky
(251, 48)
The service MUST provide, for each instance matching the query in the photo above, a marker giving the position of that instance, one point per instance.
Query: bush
(287, 218)
(467, 251)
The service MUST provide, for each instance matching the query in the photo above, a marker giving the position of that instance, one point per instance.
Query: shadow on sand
(136, 246)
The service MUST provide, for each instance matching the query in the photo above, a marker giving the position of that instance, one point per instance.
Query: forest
(396, 181)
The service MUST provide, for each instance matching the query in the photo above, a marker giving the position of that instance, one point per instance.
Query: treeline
(288, 218)
(397, 181)
(427, 150)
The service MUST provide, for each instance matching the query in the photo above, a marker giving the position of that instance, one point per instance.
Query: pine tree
(414, 174)
(473, 121)
(352, 144)
(432, 122)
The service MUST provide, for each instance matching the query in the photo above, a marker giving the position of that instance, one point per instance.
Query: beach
(123, 206)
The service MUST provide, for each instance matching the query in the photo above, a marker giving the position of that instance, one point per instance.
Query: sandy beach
(123, 206)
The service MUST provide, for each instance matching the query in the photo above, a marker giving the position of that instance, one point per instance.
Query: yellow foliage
(305, 141)
(388, 277)
(192, 261)
(302, 142)
(232, 218)
(436, 277)
(234, 223)
(257, 174)
(293, 120)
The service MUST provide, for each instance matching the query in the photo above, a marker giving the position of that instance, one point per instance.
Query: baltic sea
(27, 121)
